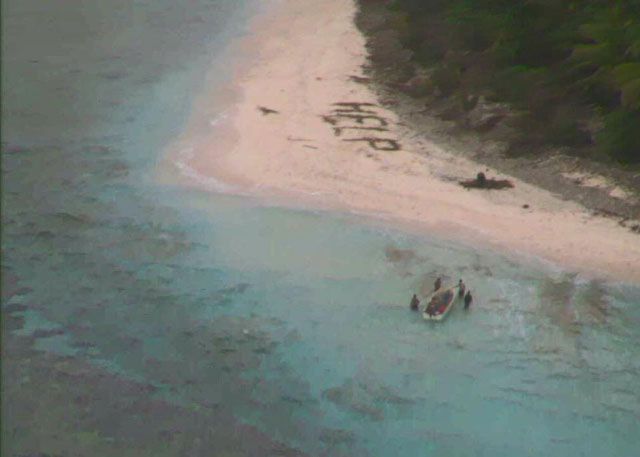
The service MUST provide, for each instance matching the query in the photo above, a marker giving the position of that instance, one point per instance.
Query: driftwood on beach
(482, 182)
(265, 111)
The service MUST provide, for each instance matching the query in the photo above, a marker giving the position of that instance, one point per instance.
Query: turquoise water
(293, 323)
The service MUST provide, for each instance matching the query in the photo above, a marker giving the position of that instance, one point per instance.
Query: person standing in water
(437, 284)
(415, 303)
(467, 300)
(461, 288)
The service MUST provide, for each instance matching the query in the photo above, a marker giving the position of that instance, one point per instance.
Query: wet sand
(302, 129)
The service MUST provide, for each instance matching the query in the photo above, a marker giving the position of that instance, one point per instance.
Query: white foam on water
(214, 121)
(207, 182)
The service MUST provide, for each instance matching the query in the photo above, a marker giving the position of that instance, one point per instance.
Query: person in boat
(432, 307)
(437, 284)
(415, 303)
(429, 310)
(461, 288)
(467, 300)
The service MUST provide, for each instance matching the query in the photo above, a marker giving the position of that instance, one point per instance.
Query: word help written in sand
(351, 118)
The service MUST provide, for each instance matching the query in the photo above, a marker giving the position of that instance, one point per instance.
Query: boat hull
(440, 304)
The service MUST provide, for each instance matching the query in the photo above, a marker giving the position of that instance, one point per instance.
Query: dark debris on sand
(482, 182)
(265, 111)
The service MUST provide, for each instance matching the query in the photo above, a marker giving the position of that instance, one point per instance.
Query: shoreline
(603, 188)
(305, 131)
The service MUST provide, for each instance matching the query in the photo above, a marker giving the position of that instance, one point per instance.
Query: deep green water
(145, 317)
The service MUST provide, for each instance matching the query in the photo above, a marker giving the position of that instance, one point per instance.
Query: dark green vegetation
(569, 71)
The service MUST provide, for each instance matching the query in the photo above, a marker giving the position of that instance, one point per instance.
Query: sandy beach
(302, 129)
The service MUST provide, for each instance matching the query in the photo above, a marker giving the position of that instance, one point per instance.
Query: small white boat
(440, 304)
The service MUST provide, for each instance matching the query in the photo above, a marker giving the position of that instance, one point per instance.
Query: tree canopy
(567, 65)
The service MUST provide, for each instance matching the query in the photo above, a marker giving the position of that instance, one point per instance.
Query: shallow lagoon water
(205, 310)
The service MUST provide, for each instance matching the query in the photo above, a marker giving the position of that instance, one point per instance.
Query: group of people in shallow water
(468, 298)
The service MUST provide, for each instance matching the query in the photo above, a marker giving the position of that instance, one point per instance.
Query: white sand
(303, 54)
